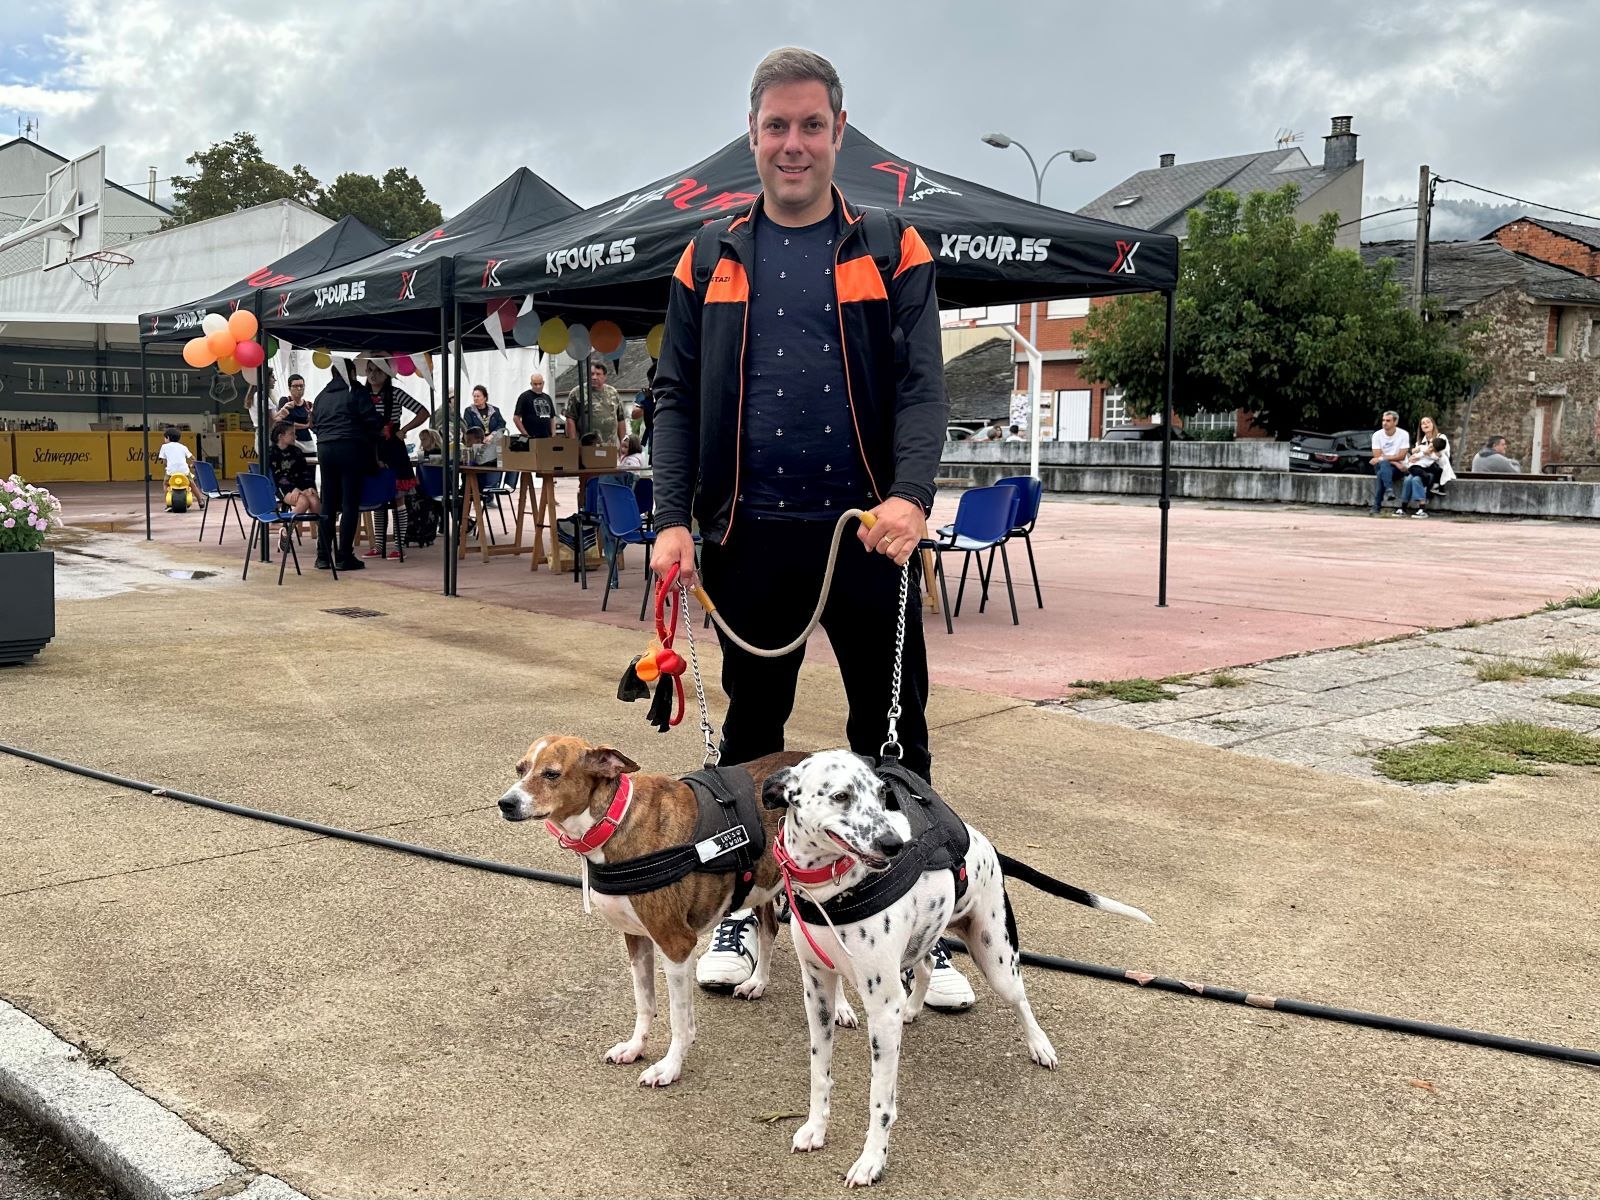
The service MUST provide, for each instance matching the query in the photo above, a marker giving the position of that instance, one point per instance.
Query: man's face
(1498, 446)
(795, 137)
(597, 377)
(1389, 424)
(536, 382)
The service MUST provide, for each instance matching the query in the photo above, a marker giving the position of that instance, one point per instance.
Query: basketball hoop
(92, 269)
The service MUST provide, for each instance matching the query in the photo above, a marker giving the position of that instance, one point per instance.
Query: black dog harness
(938, 842)
(728, 838)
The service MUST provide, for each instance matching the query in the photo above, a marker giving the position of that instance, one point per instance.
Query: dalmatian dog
(836, 823)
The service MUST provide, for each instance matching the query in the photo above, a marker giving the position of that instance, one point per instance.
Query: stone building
(1540, 339)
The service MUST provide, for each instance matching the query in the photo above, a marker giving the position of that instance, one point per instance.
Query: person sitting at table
(634, 458)
(430, 446)
(481, 415)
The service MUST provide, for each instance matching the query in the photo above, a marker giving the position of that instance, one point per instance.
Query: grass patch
(1130, 691)
(1477, 753)
(1225, 679)
(1513, 670)
(1586, 699)
(1569, 660)
(1590, 599)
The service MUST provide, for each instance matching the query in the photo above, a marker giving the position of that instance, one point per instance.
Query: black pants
(343, 466)
(765, 583)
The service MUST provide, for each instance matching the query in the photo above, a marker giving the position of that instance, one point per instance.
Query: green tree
(1272, 318)
(233, 175)
(396, 206)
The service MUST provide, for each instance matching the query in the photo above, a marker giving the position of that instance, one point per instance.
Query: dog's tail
(1023, 873)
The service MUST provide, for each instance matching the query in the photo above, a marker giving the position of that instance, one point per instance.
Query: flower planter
(27, 604)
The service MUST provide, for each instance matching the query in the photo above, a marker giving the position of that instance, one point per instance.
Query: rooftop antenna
(1286, 136)
(28, 127)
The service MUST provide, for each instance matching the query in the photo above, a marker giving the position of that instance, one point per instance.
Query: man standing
(1492, 459)
(297, 412)
(601, 416)
(535, 413)
(1390, 447)
(840, 404)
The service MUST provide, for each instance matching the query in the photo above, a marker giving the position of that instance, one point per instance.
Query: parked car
(1348, 452)
(957, 433)
(1142, 433)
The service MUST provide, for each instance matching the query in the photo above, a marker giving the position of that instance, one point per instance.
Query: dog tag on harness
(723, 843)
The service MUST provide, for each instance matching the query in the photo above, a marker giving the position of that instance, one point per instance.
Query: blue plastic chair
(253, 469)
(624, 526)
(581, 531)
(431, 480)
(497, 488)
(644, 495)
(983, 521)
(260, 500)
(377, 492)
(205, 478)
(1027, 517)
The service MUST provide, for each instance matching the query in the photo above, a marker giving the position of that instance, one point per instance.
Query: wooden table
(472, 502)
(546, 513)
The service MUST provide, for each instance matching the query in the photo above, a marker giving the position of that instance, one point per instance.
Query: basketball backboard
(72, 203)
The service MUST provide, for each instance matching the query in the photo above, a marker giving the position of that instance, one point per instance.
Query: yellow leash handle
(704, 597)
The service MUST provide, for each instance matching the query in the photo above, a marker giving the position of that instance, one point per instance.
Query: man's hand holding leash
(675, 546)
(899, 527)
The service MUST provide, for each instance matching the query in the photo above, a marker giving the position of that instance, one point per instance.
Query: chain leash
(893, 742)
(713, 755)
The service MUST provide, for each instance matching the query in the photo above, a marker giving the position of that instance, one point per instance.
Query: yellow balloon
(321, 359)
(553, 336)
(653, 340)
(228, 365)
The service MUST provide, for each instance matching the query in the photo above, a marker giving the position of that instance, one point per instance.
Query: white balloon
(578, 340)
(213, 322)
(526, 330)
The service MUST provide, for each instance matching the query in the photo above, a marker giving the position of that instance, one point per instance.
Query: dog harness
(728, 839)
(938, 842)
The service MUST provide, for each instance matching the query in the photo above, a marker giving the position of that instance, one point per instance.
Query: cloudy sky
(600, 95)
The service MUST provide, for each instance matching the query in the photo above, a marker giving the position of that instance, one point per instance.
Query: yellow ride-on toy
(179, 492)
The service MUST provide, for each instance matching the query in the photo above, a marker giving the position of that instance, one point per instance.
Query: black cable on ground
(1284, 1004)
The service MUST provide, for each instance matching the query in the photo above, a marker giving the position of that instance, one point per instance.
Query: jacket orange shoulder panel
(913, 251)
(729, 284)
(858, 280)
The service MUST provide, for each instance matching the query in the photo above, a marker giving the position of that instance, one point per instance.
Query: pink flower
(11, 523)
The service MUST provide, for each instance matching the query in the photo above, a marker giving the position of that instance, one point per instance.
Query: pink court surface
(1245, 583)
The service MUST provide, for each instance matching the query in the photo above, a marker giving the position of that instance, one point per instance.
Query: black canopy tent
(398, 298)
(615, 261)
(345, 241)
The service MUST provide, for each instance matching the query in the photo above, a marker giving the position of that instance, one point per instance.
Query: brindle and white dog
(835, 801)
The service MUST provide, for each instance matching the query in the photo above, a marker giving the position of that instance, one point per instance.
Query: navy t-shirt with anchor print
(799, 459)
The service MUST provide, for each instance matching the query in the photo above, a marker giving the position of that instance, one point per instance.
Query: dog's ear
(775, 789)
(607, 763)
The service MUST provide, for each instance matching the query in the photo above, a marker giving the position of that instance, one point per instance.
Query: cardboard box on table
(544, 456)
(598, 458)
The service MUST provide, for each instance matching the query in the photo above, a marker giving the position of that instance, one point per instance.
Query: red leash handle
(669, 661)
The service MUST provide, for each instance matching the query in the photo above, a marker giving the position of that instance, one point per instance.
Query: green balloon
(272, 347)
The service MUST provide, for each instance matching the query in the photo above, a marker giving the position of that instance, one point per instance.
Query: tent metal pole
(263, 395)
(144, 401)
(1166, 448)
(449, 363)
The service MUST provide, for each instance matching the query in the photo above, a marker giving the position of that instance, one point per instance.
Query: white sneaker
(948, 989)
(732, 957)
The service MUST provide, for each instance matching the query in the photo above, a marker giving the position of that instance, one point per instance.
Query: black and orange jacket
(894, 373)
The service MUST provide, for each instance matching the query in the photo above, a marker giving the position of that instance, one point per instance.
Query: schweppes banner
(127, 454)
(63, 457)
(346, 241)
(391, 300)
(988, 247)
(238, 452)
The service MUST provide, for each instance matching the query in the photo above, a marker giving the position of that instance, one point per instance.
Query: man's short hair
(172, 433)
(791, 64)
(294, 379)
(599, 364)
(1391, 413)
(1016, 429)
(1494, 441)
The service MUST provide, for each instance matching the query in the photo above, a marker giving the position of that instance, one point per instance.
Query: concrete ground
(362, 1024)
(35, 1166)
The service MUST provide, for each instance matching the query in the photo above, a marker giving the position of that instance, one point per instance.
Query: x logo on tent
(283, 305)
(408, 285)
(491, 273)
(1124, 264)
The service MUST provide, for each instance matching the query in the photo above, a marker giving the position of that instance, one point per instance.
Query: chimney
(1168, 160)
(1339, 147)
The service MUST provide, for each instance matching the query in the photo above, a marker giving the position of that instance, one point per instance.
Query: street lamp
(1001, 142)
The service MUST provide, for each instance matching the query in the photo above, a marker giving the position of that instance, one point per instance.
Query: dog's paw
(1042, 1052)
(912, 1012)
(866, 1171)
(845, 1016)
(751, 989)
(810, 1136)
(662, 1074)
(625, 1052)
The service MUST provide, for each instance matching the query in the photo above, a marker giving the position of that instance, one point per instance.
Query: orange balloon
(222, 343)
(243, 325)
(605, 336)
(228, 365)
(197, 352)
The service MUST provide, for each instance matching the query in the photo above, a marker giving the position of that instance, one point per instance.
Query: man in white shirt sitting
(1390, 447)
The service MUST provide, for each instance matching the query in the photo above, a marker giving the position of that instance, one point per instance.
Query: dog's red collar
(806, 876)
(602, 829)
